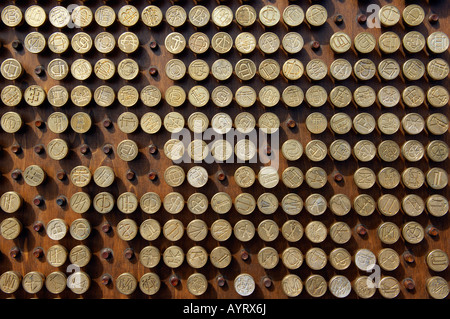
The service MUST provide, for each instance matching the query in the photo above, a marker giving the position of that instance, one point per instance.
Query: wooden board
(30, 136)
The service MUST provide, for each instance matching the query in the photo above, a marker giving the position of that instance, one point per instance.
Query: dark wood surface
(30, 136)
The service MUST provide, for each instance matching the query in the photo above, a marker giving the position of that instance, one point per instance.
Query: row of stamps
(197, 284)
(199, 16)
(222, 96)
(245, 203)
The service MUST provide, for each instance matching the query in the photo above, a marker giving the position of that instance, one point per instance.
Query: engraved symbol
(269, 231)
(54, 256)
(9, 228)
(341, 259)
(32, 282)
(81, 230)
(125, 284)
(196, 231)
(173, 230)
(149, 256)
(127, 204)
(244, 69)
(317, 14)
(388, 232)
(414, 231)
(173, 256)
(149, 283)
(221, 231)
(126, 230)
(340, 41)
(79, 202)
(33, 95)
(56, 230)
(177, 42)
(9, 282)
(198, 205)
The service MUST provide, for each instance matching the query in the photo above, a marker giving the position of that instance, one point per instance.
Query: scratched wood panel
(98, 136)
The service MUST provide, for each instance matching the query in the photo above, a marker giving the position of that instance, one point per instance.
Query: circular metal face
(316, 258)
(292, 42)
(413, 232)
(388, 259)
(220, 257)
(126, 283)
(437, 260)
(34, 175)
(438, 42)
(222, 16)
(80, 229)
(175, 42)
(292, 258)
(245, 15)
(221, 230)
(11, 122)
(438, 69)
(316, 232)
(389, 42)
(11, 69)
(150, 203)
(197, 284)
(11, 95)
(244, 284)
(244, 230)
(269, 15)
(413, 42)
(389, 15)
(340, 69)
(176, 16)
(293, 15)
(292, 285)
(105, 16)
(316, 15)
(10, 202)
(56, 282)
(365, 42)
(388, 205)
(56, 229)
(316, 286)
(33, 282)
(340, 232)
(340, 42)
(365, 259)
(340, 258)
(173, 256)
(437, 205)
(10, 228)
(222, 42)
(82, 16)
(413, 15)
(35, 42)
(340, 286)
(268, 230)
(388, 233)
(150, 283)
(12, 16)
(269, 42)
(389, 287)
(438, 287)
(340, 96)
(244, 176)
(389, 69)
(340, 204)
(199, 16)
